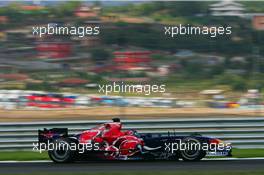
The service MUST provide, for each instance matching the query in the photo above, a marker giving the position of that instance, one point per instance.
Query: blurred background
(214, 86)
(203, 75)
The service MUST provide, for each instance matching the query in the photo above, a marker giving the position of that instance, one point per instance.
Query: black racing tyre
(62, 152)
(193, 150)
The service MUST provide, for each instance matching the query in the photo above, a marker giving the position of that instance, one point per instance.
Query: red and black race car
(108, 142)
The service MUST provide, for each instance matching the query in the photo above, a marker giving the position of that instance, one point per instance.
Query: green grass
(23, 155)
(29, 155)
(244, 153)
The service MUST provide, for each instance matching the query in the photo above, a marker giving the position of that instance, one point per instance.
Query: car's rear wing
(46, 135)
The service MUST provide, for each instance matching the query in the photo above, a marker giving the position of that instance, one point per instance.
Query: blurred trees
(235, 81)
(12, 12)
(100, 54)
(186, 8)
(65, 9)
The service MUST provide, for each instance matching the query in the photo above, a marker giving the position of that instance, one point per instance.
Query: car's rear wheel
(62, 152)
(193, 150)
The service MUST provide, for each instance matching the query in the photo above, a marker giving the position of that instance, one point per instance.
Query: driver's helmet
(116, 120)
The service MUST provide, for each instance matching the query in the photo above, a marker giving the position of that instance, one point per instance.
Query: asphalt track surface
(132, 166)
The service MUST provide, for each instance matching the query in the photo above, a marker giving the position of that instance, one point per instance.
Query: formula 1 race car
(108, 142)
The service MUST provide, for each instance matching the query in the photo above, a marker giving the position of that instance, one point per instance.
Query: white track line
(235, 158)
(210, 159)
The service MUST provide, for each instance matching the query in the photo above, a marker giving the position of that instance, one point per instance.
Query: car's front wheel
(61, 152)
